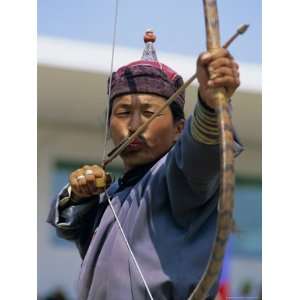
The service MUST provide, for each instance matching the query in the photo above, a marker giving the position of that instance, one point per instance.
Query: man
(167, 199)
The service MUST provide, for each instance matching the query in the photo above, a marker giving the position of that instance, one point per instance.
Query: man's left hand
(214, 71)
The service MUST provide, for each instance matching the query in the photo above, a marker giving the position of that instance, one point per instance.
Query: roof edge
(91, 57)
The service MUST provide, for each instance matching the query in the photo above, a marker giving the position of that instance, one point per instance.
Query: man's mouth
(136, 144)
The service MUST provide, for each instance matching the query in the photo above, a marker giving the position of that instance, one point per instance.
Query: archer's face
(129, 112)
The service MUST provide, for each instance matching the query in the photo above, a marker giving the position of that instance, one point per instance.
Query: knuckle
(96, 168)
(78, 172)
(230, 80)
(228, 62)
(75, 186)
(73, 182)
(90, 179)
(82, 182)
(74, 174)
(203, 59)
(226, 71)
(100, 173)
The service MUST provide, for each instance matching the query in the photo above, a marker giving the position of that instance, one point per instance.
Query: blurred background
(74, 57)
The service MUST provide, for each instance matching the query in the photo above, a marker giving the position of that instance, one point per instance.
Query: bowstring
(128, 245)
(110, 79)
(104, 154)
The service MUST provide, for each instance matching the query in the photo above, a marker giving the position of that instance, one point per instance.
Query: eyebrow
(129, 105)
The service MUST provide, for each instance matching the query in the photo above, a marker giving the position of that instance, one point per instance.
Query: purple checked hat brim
(146, 77)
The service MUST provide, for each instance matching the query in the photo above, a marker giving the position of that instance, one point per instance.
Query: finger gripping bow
(225, 204)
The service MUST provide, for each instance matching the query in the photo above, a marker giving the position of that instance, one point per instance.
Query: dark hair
(177, 111)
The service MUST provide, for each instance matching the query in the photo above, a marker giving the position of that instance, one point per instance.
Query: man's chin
(134, 159)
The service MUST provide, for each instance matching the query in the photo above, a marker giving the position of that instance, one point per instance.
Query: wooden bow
(225, 204)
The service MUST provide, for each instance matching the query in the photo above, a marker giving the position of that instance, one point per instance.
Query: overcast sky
(179, 25)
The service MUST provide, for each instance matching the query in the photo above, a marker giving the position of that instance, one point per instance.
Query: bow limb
(225, 204)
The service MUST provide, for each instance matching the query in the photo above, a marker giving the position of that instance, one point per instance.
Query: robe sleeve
(74, 222)
(192, 166)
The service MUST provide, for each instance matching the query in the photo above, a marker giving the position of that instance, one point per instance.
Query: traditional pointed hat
(147, 75)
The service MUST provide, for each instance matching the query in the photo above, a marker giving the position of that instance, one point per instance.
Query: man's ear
(179, 125)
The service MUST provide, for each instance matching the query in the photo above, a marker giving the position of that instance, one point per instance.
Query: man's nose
(135, 122)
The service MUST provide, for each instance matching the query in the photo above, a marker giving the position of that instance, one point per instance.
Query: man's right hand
(83, 182)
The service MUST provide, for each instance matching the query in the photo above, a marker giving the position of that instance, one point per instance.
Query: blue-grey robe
(169, 218)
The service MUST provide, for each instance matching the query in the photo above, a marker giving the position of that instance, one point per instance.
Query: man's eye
(123, 113)
(148, 113)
